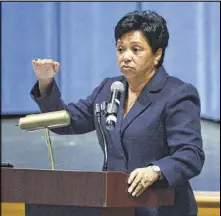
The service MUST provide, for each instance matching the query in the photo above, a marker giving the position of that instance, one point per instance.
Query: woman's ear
(158, 55)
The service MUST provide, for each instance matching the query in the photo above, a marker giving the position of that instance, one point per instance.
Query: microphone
(45, 120)
(117, 89)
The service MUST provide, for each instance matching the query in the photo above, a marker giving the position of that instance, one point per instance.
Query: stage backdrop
(80, 35)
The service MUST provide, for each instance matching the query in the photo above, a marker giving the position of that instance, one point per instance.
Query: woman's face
(134, 56)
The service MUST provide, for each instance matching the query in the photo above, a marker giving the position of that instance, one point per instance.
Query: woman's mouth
(126, 67)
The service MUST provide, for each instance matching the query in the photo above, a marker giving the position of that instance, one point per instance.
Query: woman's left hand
(140, 179)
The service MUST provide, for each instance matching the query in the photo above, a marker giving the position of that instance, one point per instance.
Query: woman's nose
(127, 56)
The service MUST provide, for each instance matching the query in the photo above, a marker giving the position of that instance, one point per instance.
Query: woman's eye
(136, 49)
(120, 49)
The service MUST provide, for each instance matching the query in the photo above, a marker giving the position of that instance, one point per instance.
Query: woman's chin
(128, 74)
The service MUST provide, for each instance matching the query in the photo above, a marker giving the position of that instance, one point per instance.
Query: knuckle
(48, 64)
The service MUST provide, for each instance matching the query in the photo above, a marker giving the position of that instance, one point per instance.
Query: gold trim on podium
(12, 209)
(208, 205)
(207, 198)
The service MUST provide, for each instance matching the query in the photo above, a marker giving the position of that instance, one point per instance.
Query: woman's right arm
(48, 97)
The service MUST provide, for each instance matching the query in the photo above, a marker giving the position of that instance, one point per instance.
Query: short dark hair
(152, 25)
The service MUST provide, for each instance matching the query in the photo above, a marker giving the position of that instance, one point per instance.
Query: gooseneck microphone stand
(100, 109)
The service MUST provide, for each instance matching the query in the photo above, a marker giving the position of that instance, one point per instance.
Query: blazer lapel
(146, 97)
(142, 102)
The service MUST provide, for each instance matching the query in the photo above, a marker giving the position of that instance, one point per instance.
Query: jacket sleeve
(183, 132)
(82, 113)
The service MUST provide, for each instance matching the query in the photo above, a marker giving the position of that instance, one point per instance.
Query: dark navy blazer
(162, 128)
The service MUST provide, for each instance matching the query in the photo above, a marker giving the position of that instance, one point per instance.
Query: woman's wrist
(157, 170)
(44, 84)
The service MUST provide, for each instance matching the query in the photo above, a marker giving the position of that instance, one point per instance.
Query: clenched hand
(45, 70)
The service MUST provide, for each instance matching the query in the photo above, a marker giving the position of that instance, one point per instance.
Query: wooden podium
(73, 193)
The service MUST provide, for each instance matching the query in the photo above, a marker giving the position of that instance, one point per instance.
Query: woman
(157, 138)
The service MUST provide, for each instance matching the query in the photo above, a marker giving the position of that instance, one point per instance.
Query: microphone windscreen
(117, 86)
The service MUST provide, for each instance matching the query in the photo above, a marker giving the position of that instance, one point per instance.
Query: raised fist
(45, 69)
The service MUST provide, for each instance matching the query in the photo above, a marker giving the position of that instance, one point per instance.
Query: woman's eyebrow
(136, 42)
(119, 43)
(133, 42)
